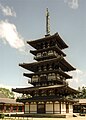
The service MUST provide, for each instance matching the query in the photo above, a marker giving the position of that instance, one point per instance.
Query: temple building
(50, 93)
(8, 105)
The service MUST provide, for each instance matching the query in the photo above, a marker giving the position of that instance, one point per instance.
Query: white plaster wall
(27, 108)
(49, 107)
(63, 107)
(56, 108)
(33, 108)
(70, 108)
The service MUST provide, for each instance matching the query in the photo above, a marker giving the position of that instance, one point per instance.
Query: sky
(24, 20)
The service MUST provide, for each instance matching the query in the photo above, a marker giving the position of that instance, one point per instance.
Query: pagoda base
(40, 115)
(46, 115)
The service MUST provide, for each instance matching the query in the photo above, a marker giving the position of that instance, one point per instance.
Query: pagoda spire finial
(47, 22)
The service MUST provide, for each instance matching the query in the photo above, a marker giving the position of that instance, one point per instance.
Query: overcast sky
(24, 20)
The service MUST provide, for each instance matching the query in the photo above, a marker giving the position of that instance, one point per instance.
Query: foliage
(82, 92)
(2, 116)
(7, 92)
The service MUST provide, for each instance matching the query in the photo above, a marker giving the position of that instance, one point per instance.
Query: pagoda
(50, 92)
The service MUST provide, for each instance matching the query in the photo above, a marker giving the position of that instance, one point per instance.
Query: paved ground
(27, 118)
(70, 118)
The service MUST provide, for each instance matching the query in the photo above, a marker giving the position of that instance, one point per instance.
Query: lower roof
(57, 87)
(45, 99)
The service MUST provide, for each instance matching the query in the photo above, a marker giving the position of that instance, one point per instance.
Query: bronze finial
(47, 22)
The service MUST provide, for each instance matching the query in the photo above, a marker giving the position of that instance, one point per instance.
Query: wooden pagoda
(50, 92)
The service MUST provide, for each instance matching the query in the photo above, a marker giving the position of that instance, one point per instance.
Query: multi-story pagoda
(50, 91)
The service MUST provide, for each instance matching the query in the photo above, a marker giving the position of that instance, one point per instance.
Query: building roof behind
(9, 101)
(82, 101)
(2, 95)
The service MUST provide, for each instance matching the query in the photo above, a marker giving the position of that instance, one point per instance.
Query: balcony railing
(46, 54)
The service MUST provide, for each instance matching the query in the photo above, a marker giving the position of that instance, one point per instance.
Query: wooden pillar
(16, 108)
(60, 107)
(11, 108)
(29, 107)
(67, 107)
(23, 108)
(53, 108)
(4, 106)
(80, 108)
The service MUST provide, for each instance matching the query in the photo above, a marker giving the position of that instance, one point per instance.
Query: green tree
(6, 92)
(82, 93)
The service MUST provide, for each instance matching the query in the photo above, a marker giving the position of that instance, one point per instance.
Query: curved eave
(56, 37)
(60, 89)
(56, 48)
(45, 99)
(47, 72)
(60, 41)
(32, 66)
(72, 90)
(63, 64)
(29, 89)
(66, 64)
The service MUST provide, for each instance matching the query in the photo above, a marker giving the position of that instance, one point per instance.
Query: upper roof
(61, 62)
(56, 37)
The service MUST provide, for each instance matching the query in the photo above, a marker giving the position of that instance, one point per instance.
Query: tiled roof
(82, 101)
(55, 37)
(2, 95)
(9, 101)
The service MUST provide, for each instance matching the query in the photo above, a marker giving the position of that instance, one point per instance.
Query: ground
(69, 118)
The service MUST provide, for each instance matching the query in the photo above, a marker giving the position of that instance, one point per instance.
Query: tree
(7, 93)
(82, 93)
